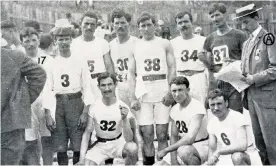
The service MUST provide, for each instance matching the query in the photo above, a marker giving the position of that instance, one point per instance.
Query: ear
(226, 103)
(188, 89)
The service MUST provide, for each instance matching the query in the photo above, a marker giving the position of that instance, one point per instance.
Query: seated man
(228, 141)
(188, 133)
(110, 119)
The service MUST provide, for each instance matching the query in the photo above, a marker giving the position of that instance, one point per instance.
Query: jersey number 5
(65, 79)
(181, 125)
(225, 139)
(91, 65)
(109, 126)
(152, 64)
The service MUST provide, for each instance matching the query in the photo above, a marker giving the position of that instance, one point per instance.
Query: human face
(147, 29)
(88, 26)
(179, 92)
(184, 24)
(218, 106)
(121, 26)
(107, 87)
(249, 25)
(30, 43)
(63, 43)
(218, 19)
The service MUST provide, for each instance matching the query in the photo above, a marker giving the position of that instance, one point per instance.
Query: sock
(62, 158)
(109, 161)
(149, 160)
(76, 157)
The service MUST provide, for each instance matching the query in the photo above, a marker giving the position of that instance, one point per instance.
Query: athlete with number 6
(186, 48)
(110, 118)
(155, 68)
(228, 140)
(223, 46)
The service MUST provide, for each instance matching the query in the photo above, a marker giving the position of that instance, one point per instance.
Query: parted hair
(27, 31)
(217, 93)
(106, 75)
(217, 6)
(118, 13)
(146, 16)
(180, 80)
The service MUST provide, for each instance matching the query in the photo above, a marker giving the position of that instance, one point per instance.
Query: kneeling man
(110, 119)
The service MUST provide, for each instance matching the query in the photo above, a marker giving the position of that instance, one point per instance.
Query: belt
(154, 77)
(189, 72)
(203, 139)
(99, 139)
(70, 95)
(95, 75)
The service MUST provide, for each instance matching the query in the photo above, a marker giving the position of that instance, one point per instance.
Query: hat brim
(246, 14)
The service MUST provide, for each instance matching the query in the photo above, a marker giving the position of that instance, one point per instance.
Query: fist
(135, 105)
(124, 111)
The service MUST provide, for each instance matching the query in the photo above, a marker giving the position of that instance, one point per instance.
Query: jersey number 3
(107, 126)
(181, 125)
(65, 80)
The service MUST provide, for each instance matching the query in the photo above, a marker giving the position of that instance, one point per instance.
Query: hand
(174, 162)
(248, 79)
(135, 105)
(168, 100)
(214, 158)
(82, 121)
(81, 162)
(161, 154)
(124, 111)
(50, 123)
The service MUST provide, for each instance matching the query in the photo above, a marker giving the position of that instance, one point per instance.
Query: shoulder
(211, 36)
(174, 110)
(200, 38)
(100, 40)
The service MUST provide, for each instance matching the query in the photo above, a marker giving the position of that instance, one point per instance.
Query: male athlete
(186, 48)
(228, 140)
(155, 68)
(94, 50)
(30, 41)
(223, 46)
(110, 119)
(188, 130)
(68, 82)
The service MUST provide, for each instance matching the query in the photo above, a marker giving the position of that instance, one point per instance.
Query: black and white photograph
(138, 82)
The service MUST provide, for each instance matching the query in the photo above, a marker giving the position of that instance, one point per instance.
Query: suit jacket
(260, 62)
(22, 80)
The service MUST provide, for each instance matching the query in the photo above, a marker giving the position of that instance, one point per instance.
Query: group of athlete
(97, 91)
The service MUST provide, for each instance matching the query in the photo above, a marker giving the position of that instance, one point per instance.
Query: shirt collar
(256, 32)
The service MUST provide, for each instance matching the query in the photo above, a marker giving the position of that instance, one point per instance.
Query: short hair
(7, 24)
(146, 16)
(182, 14)
(217, 93)
(27, 31)
(217, 6)
(180, 80)
(253, 15)
(68, 15)
(45, 41)
(120, 13)
(62, 31)
(33, 24)
(89, 14)
(106, 75)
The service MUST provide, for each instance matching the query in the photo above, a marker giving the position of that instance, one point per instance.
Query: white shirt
(256, 32)
(120, 54)
(184, 116)
(186, 53)
(226, 130)
(107, 119)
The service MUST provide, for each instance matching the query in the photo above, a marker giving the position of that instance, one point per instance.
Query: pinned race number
(220, 53)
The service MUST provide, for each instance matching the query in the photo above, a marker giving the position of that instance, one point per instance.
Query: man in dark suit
(259, 70)
(22, 80)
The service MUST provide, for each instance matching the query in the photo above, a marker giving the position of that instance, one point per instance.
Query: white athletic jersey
(151, 59)
(183, 117)
(186, 53)
(69, 75)
(120, 54)
(226, 130)
(107, 120)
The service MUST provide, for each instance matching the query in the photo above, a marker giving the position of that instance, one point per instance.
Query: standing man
(110, 118)
(94, 50)
(259, 69)
(22, 80)
(186, 49)
(223, 46)
(155, 68)
(189, 138)
(228, 139)
(68, 82)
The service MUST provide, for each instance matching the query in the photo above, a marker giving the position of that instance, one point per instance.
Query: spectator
(33, 24)
(198, 31)
(47, 44)
(166, 33)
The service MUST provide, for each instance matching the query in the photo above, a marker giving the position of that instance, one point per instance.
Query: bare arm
(170, 61)
(85, 138)
(174, 139)
(131, 75)
(108, 63)
(212, 145)
(127, 132)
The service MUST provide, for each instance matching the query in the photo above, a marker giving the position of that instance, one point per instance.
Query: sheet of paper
(232, 74)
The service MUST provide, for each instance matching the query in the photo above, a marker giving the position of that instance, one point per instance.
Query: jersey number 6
(225, 139)
(109, 126)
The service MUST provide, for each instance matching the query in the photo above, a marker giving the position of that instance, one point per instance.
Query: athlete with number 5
(223, 46)
(155, 68)
(228, 140)
(186, 48)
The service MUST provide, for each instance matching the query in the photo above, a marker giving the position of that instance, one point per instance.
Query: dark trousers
(32, 153)
(12, 147)
(264, 128)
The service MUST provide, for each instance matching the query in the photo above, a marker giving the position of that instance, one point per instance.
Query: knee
(148, 137)
(184, 152)
(131, 148)
(237, 158)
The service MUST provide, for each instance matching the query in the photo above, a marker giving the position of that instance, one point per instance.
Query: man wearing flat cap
(69, 83)
(259, 70)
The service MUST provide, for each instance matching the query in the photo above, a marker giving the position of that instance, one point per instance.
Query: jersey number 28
(181, 125)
